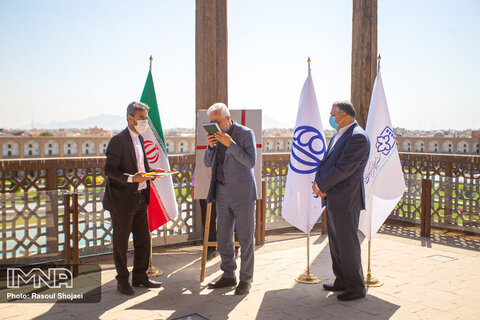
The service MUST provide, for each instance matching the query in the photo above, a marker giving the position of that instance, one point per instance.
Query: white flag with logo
(301, 207)
(383, 177)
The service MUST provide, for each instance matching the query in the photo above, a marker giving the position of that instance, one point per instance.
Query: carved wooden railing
(453, 182)
(32, 208)
(31, 201)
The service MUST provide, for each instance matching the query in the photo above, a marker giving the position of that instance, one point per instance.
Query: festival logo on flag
(301, 207)
(308, 147)
(384, 144)
(383, 176)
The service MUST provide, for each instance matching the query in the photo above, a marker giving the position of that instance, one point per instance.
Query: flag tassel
(308, 277)
(370, 281)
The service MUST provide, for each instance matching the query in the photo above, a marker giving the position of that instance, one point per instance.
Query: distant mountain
(271, 123)
(104, 121)
(115, 122)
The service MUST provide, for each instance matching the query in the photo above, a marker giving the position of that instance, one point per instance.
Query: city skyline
(72, 60)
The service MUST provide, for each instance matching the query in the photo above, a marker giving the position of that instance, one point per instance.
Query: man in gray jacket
(232, 155)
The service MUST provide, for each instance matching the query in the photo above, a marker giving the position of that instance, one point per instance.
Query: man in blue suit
(339, 181)
(232, 155)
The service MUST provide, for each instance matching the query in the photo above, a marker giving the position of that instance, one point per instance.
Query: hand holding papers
(159, 174)
(145, 176)
(139, 177)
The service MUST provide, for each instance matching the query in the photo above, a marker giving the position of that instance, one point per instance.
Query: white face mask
(141, 126)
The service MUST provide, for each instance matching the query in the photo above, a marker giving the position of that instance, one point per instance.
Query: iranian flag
(163, 206)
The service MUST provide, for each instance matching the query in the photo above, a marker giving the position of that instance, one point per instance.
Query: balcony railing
(32, 209)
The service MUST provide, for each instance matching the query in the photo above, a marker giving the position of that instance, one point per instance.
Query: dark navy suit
(340, 176)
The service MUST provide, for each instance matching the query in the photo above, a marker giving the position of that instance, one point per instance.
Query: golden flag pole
(370, 281)
(152, 270)
(308, 277)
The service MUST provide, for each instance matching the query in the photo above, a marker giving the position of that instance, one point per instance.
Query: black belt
(222, 182)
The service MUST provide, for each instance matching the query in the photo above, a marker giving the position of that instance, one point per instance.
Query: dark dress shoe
(125, 288)
(145, 282)
(332, 287)
(222, 283)
(243, 288)
(350, 295)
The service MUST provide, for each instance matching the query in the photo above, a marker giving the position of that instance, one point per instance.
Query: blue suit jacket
(340, 173)
(238, 165)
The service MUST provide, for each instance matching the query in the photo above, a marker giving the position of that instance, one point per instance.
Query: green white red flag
(163, 205)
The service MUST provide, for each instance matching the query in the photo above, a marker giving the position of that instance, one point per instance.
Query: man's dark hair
(346, 107)
(135, 106)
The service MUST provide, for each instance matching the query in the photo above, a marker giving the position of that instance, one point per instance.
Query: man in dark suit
(232, 155)
(339, 181)
(127, 194)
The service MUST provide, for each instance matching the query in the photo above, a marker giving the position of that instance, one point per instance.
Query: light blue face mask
(332, 122)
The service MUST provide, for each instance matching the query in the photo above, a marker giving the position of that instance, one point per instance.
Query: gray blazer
(240, 159)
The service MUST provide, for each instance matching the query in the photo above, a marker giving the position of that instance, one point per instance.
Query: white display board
(249, 118)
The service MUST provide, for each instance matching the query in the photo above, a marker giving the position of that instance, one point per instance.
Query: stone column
(21, 147)
(61, 147)
(41, 147)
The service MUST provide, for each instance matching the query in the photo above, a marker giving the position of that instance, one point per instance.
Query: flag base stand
(308, 278)
(371, 282)
(153, 271)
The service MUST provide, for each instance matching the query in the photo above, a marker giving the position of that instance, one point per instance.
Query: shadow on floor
(456, 241)
(180, 291)
(310, 301)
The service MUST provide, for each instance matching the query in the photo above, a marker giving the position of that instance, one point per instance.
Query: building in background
(441, 143)
(88, 144)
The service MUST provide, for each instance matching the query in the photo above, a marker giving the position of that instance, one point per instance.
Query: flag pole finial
(151, 59)
(378, 64)
(308, 60)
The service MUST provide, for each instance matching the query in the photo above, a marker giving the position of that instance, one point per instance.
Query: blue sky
(64, 60)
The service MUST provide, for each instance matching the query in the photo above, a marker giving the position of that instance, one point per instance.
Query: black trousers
(342, 227)
(135, 222)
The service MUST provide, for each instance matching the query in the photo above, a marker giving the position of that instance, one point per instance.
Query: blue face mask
(332, 122)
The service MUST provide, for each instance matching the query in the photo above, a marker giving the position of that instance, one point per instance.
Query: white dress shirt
(139, 156)
(340, 133)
